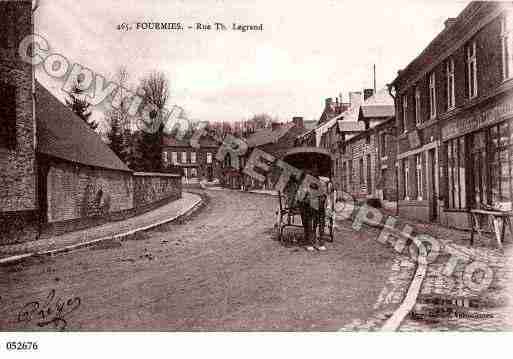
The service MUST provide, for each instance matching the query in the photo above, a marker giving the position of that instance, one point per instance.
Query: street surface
(221, 269)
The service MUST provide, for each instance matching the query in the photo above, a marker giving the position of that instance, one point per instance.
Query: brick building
(454, 108)
(196, 163)
(364, 152)
(18, 171)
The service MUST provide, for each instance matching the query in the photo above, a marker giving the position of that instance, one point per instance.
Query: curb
(21, 257)
(394, 322)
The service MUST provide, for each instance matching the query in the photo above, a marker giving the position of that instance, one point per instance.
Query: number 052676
(21, 346)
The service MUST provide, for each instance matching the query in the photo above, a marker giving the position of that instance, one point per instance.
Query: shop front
(477, 148)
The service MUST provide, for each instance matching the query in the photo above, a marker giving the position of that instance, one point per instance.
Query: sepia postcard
(255, 166)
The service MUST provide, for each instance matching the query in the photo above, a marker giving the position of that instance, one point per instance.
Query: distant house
(195, 163)
(276, 141)
(366, 152)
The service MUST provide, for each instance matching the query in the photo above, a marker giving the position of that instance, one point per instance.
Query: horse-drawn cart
(315, 219)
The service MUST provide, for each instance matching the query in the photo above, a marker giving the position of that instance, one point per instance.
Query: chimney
(328, 103)
(367, 93)
(450, 21)
(298, 121)
(355, 98)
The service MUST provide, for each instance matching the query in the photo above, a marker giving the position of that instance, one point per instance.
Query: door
(433, 198)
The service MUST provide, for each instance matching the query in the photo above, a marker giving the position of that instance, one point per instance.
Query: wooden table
(497, 221)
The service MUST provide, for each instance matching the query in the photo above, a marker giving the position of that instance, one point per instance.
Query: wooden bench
(497, 221)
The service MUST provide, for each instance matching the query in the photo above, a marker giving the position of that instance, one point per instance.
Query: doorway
(433, 197)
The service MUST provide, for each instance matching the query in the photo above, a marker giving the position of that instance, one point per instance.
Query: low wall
(79, 197)
(75, 191)
(18, 227)
(150, 188)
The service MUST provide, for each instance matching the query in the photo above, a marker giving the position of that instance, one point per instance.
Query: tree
(78, 103)
(119, 120)
(156, 92)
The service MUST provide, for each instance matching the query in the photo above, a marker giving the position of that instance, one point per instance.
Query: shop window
(456, 173)
(500, 163)
(478, 160)
(7, 116)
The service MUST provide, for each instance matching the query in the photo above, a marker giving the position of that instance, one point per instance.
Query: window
(384, 176)
(7, 116)
(164, 158)
(472, 70)
(383, 144)
(406, 175)
(174, 158)
(456, 173)
(350, 174)
(450, 84)
(418, 109)
(432, 95)
(500, 163)
(362, 179)
(209, 157)
(184, 157)
(369, 175)
(419, 176)
(344, 176)
(193, 157)
(507, 44)
(405, 112)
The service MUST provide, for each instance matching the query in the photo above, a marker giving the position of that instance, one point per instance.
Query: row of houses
(437, 141)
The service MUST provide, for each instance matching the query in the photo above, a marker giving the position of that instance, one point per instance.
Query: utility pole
(374, 71)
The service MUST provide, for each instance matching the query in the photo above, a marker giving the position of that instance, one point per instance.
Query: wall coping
(156, 174)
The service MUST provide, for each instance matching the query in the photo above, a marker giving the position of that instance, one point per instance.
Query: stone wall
(75, 191)
(152, 188)
(17, 161)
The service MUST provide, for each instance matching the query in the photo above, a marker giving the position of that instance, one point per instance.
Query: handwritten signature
(51, 311)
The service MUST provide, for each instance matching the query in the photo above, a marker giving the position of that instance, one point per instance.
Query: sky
(307, 51)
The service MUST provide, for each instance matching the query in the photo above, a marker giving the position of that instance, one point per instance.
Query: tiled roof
(378, 111)
(353, 126)
(381, 104)
(205, 141)
(268, 135)
(62, 134)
